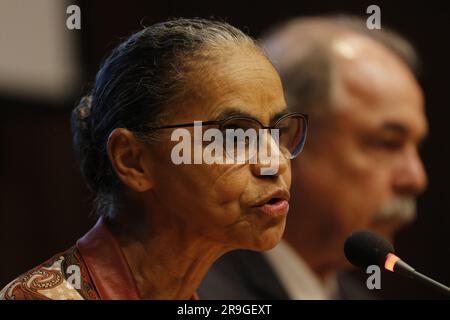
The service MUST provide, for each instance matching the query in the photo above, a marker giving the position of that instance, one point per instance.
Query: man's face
(361, 167)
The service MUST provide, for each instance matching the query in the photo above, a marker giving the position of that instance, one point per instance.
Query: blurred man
(360, 167)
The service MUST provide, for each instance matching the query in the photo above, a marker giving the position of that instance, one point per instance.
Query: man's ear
(127, 156)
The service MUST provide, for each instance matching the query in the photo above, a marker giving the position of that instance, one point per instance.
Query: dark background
(45, 207)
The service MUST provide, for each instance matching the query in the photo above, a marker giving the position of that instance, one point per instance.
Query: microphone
(365, 248)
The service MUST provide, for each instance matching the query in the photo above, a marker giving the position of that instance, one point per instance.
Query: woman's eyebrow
(278, 115)
(232, 111)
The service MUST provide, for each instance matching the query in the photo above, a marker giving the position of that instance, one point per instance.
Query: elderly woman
(162, 223)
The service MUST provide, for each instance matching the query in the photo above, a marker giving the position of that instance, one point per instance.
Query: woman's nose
(270, 161)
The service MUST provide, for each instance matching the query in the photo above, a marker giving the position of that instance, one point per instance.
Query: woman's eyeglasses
(292, 131)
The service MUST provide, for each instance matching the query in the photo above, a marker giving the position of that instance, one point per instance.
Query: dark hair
(135, 86)
(307, 77)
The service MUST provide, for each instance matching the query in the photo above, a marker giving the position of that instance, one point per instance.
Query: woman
(163, 224)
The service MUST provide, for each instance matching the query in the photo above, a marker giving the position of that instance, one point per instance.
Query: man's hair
(307, 72)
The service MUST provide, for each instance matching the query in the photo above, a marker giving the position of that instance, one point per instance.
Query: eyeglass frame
(220, 122)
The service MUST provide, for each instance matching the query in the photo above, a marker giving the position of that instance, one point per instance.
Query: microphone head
(364, 248)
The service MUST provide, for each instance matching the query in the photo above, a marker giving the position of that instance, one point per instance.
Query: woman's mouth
(275, 205)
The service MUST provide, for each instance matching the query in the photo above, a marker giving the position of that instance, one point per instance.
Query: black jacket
(247, 275)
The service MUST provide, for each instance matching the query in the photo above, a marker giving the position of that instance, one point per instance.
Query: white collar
(297, 278)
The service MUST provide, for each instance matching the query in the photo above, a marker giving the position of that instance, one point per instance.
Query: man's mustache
(400, 209)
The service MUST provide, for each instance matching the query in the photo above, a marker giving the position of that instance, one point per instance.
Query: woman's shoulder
(62, 277)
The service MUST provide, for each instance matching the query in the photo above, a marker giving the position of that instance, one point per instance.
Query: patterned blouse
(94, 269)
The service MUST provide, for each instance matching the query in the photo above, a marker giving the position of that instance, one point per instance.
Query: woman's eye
(230, 127)
(237, 140)
(282, 130)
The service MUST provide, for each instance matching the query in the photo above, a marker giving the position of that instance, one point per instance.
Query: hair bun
(82, 139)
(83, 111)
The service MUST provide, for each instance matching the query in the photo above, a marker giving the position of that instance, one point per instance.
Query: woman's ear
(127, 155)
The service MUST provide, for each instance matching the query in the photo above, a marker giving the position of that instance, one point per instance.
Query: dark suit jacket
(248, 275)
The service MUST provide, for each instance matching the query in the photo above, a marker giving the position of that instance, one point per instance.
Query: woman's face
(233, 205)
